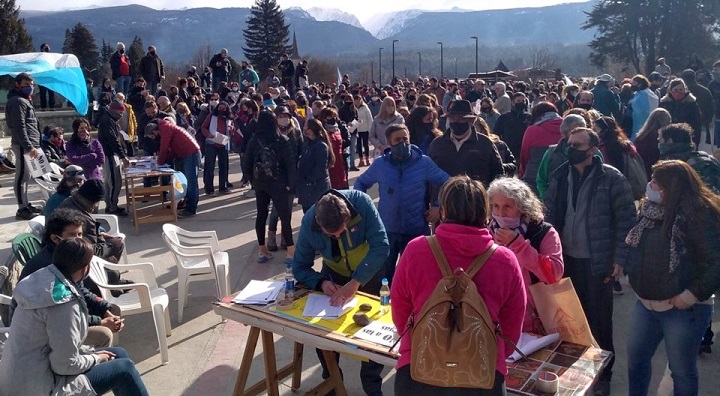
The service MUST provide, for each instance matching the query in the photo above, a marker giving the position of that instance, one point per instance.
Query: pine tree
(135, 54)
(13, 36)
(266, 36)
(80, 42)
(106, 52)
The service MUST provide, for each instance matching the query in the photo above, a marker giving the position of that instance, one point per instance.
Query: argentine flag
(58, 72)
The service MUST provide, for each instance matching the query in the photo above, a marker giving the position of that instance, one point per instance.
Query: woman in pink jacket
(463, 237)
(517, 223)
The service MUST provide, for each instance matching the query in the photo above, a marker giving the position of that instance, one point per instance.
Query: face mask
(459, 128)
(401, 150)
(331, 121)
(519, 107)
(235, 89)
(666, 148)
(283, 122)
(586, 106)
(635, 88)
(510, 223)
(576, 156)
(214, 103)
(652, 195)
(27, 90)
(485, 109)
(122, 51)
(115, 114)
(678, 95)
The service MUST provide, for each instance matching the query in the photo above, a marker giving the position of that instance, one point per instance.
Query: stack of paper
(258, 293)
(531, 343)
(318, 306)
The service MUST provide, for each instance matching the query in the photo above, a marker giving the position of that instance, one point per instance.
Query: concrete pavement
(205, 353)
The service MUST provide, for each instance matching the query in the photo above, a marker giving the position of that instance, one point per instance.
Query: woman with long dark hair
(271, 168)
(315, 163)
(84, 151)
(674, 268)
(619, 152)
(423, 126)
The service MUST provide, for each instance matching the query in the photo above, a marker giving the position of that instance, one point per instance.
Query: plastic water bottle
(384, 297)
(289, 283)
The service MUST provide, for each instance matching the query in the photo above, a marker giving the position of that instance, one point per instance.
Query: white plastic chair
(198, 257)
(114, 229)
(146, 296)
(49, 181)
(37, 227)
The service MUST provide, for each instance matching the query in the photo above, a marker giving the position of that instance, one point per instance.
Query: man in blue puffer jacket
(402, 174)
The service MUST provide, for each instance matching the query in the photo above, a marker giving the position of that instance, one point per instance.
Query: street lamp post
(476, 53)
(393, 63)
(420, 64)
(372, 71)
(380, 67)
(441, 59)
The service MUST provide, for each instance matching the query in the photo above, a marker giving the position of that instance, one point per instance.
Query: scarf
(522, 230)
(650, 213)
(550, 115)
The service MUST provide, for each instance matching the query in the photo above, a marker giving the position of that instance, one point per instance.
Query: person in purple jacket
(84, 151)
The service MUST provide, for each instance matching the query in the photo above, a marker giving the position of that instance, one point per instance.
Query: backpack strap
(439, 255)
(480, 261)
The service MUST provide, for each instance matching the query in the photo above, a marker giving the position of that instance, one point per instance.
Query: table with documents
(149, 204)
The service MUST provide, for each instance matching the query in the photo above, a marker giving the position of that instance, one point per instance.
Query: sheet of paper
(258, 293)
(378, 333)
(530, 343)
(219, 138)
(318, 306)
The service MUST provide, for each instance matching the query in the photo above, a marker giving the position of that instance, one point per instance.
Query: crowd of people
(588, 180)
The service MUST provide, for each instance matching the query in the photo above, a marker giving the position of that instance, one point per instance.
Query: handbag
(560, 312)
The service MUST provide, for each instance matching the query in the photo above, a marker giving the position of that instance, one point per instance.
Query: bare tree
(202, 57)
(541, 58)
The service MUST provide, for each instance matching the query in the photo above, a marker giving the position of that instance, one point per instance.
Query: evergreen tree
(14, 38)
(266, 36)
(106, 51)
(80, 42)
(638, 32)
(135, 54)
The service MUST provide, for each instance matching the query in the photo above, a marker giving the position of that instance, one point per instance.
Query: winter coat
(401, 186)
(54, 153)
(535, 142)
(610, 213)
(115, 62)
(379, 125)
(22, 122)
(508, 159)
(223, 128)
(499, 282)
(248, 78)
(606, 101)
(647, 148)
(338, 178)
(91, 157)
(511, 128)
(46, 356)
(313, 176)
(360, 252)
(286, 162)
(175, 142)
(110, 137)
(686, 110)
(221, 71)
(151, 68)
(477, 157)
(707, 166)
(643, 103)
(704, 100)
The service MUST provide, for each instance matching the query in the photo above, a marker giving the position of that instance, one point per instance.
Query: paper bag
(560, 312)
(39, 165)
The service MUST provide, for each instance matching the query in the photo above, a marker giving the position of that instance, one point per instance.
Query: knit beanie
(92, 190)
(116, 105)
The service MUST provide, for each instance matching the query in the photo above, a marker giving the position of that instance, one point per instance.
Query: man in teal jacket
(345, 228)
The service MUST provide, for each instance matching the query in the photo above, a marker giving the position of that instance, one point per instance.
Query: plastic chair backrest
(25, 246)
(99, 276)
(37, 226)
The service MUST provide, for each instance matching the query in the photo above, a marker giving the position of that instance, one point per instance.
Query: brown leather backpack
(454, 339)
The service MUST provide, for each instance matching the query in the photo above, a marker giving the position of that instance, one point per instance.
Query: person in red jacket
(463, 236)
(177, 144)
(543, 132)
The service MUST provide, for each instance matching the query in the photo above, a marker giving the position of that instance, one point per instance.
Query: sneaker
(225, 191)
(34, 209)
(262, 258)
(244, 184)
(24, 214)
(617, 288)
(249, 194)
(184, 214)
(229, 185)
(210, 192)
(354, 169)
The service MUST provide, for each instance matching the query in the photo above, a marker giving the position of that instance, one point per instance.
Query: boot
(271, 241)
(283, 245)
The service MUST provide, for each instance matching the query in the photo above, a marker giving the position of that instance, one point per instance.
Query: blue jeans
(353, 148)
(221, 154)
(118, 375)
(122, 84)
(682, 330)
(716, 139)
(190, 170)
(398, 243)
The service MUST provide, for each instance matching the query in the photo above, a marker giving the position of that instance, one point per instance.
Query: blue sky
(364, 9)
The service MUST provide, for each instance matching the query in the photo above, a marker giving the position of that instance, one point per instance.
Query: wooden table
(263, 321)
(154, 200)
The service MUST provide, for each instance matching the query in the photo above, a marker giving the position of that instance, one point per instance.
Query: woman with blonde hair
(646, 141)
(387, 116)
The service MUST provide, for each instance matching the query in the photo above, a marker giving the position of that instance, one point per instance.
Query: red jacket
(175, 142)
(499, 282)
(338, 179)
(543, 135)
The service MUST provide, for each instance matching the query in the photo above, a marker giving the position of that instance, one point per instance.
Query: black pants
(47, 98)
(279, 196)
(363, 145)
(596, 296)
(370, 372)
(405, 385)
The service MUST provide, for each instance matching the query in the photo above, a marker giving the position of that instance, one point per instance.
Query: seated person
(65, 224)
(53, 145)
(73, 178)
(48, 357)
(107, 247)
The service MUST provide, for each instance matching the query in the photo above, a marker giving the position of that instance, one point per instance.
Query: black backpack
(266, 167)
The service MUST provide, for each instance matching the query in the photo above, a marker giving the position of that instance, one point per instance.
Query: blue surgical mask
(27, 90)
(401, 150)
(652, 195)
(510, 223)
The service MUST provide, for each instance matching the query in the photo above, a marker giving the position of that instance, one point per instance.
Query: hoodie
(499, 282)
(49, 358)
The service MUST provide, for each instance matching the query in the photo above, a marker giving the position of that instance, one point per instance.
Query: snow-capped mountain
(333, 14)
(388, 24)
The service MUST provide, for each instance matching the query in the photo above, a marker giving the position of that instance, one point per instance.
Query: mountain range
(178, 34)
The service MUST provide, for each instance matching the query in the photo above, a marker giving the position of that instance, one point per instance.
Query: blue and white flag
(339, 77)
(58, 72)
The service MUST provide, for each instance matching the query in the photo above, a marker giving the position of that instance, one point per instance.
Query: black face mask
(576, 156)
(459, 128)
(519, 107)
(121, 51)
(585, 106)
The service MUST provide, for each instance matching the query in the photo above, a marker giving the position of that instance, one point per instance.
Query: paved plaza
(205, 353)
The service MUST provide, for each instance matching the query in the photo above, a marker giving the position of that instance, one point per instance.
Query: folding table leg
(247, 359)
(297, 365)
(271, 374)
